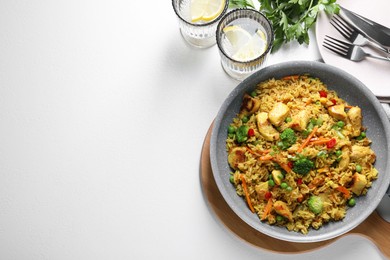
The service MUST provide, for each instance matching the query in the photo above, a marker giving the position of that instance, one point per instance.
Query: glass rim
(218, 38)
(201, 24)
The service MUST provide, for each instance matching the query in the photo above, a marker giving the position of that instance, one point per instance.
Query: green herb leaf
(291, 19)
(241, 4)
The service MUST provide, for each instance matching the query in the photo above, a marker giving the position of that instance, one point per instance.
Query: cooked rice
(333, 178)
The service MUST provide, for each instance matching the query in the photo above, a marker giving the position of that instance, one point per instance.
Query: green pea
(253, 94)
(245, 119)
(279, 218)
(271, 182)
(358, 168)
(231, 129)
(289, 188)
(288, 119)
(339, 153)
(351, 202)
(340, 124)
(283, 185)
(361, 136)
(231, 179)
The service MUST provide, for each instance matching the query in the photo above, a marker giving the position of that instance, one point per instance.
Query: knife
(377, 26)
(374, 31)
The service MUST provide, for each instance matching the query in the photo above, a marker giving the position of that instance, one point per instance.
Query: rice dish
(299, 154)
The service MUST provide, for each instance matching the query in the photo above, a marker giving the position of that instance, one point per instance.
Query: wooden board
(374, 227)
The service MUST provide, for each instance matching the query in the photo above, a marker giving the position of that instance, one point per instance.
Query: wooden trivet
(374, 227)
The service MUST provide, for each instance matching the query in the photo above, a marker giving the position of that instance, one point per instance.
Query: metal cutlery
(384, 99)
(352, 34)
(347, 50)
(371, 29)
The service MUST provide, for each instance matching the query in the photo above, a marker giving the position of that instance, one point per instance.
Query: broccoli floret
(315, 204)
(303, 166)
(287, 138)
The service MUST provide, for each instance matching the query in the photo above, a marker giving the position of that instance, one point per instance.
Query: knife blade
(368, 29)
(372, 23)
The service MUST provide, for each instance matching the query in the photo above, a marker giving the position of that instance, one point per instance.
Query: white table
(103, 112)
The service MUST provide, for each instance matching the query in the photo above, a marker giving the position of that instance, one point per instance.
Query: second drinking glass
(244, 39)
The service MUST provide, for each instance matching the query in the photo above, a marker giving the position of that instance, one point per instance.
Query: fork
(352, 34)
(347, 50)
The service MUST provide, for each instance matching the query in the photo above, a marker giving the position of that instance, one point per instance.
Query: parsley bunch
(291, 19)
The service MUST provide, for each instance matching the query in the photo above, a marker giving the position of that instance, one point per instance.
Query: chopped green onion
(321, 154)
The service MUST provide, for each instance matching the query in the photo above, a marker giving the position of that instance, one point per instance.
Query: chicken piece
(265, 128)
(249, 105)
(360, 153)
(236, 156)
(301, 120)
(277, 176)
(278, 114)
(345, 159)
(355, 118)
(282, 209)
(359, 182)
(326, 102)
(261, 189)
(337, 111)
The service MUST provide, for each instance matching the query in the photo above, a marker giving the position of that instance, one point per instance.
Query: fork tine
(340, 27)
(336, 47)
(346, 24)
(334, 50)
(338, 42)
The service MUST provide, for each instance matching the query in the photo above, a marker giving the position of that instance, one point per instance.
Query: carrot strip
(266, 157)
(319, 142)
(291, 77)
(318, 139)
(281, 164)
(269, 157)
(306, 142)
(267, 209)
(258, 153)
(344, 191)
(244, 186)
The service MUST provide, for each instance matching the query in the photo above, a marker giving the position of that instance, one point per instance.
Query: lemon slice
(236, 36)
(206, 10)
(256, 46)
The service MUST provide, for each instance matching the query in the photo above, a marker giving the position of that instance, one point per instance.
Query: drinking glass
(252, 21)
(198, 34)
